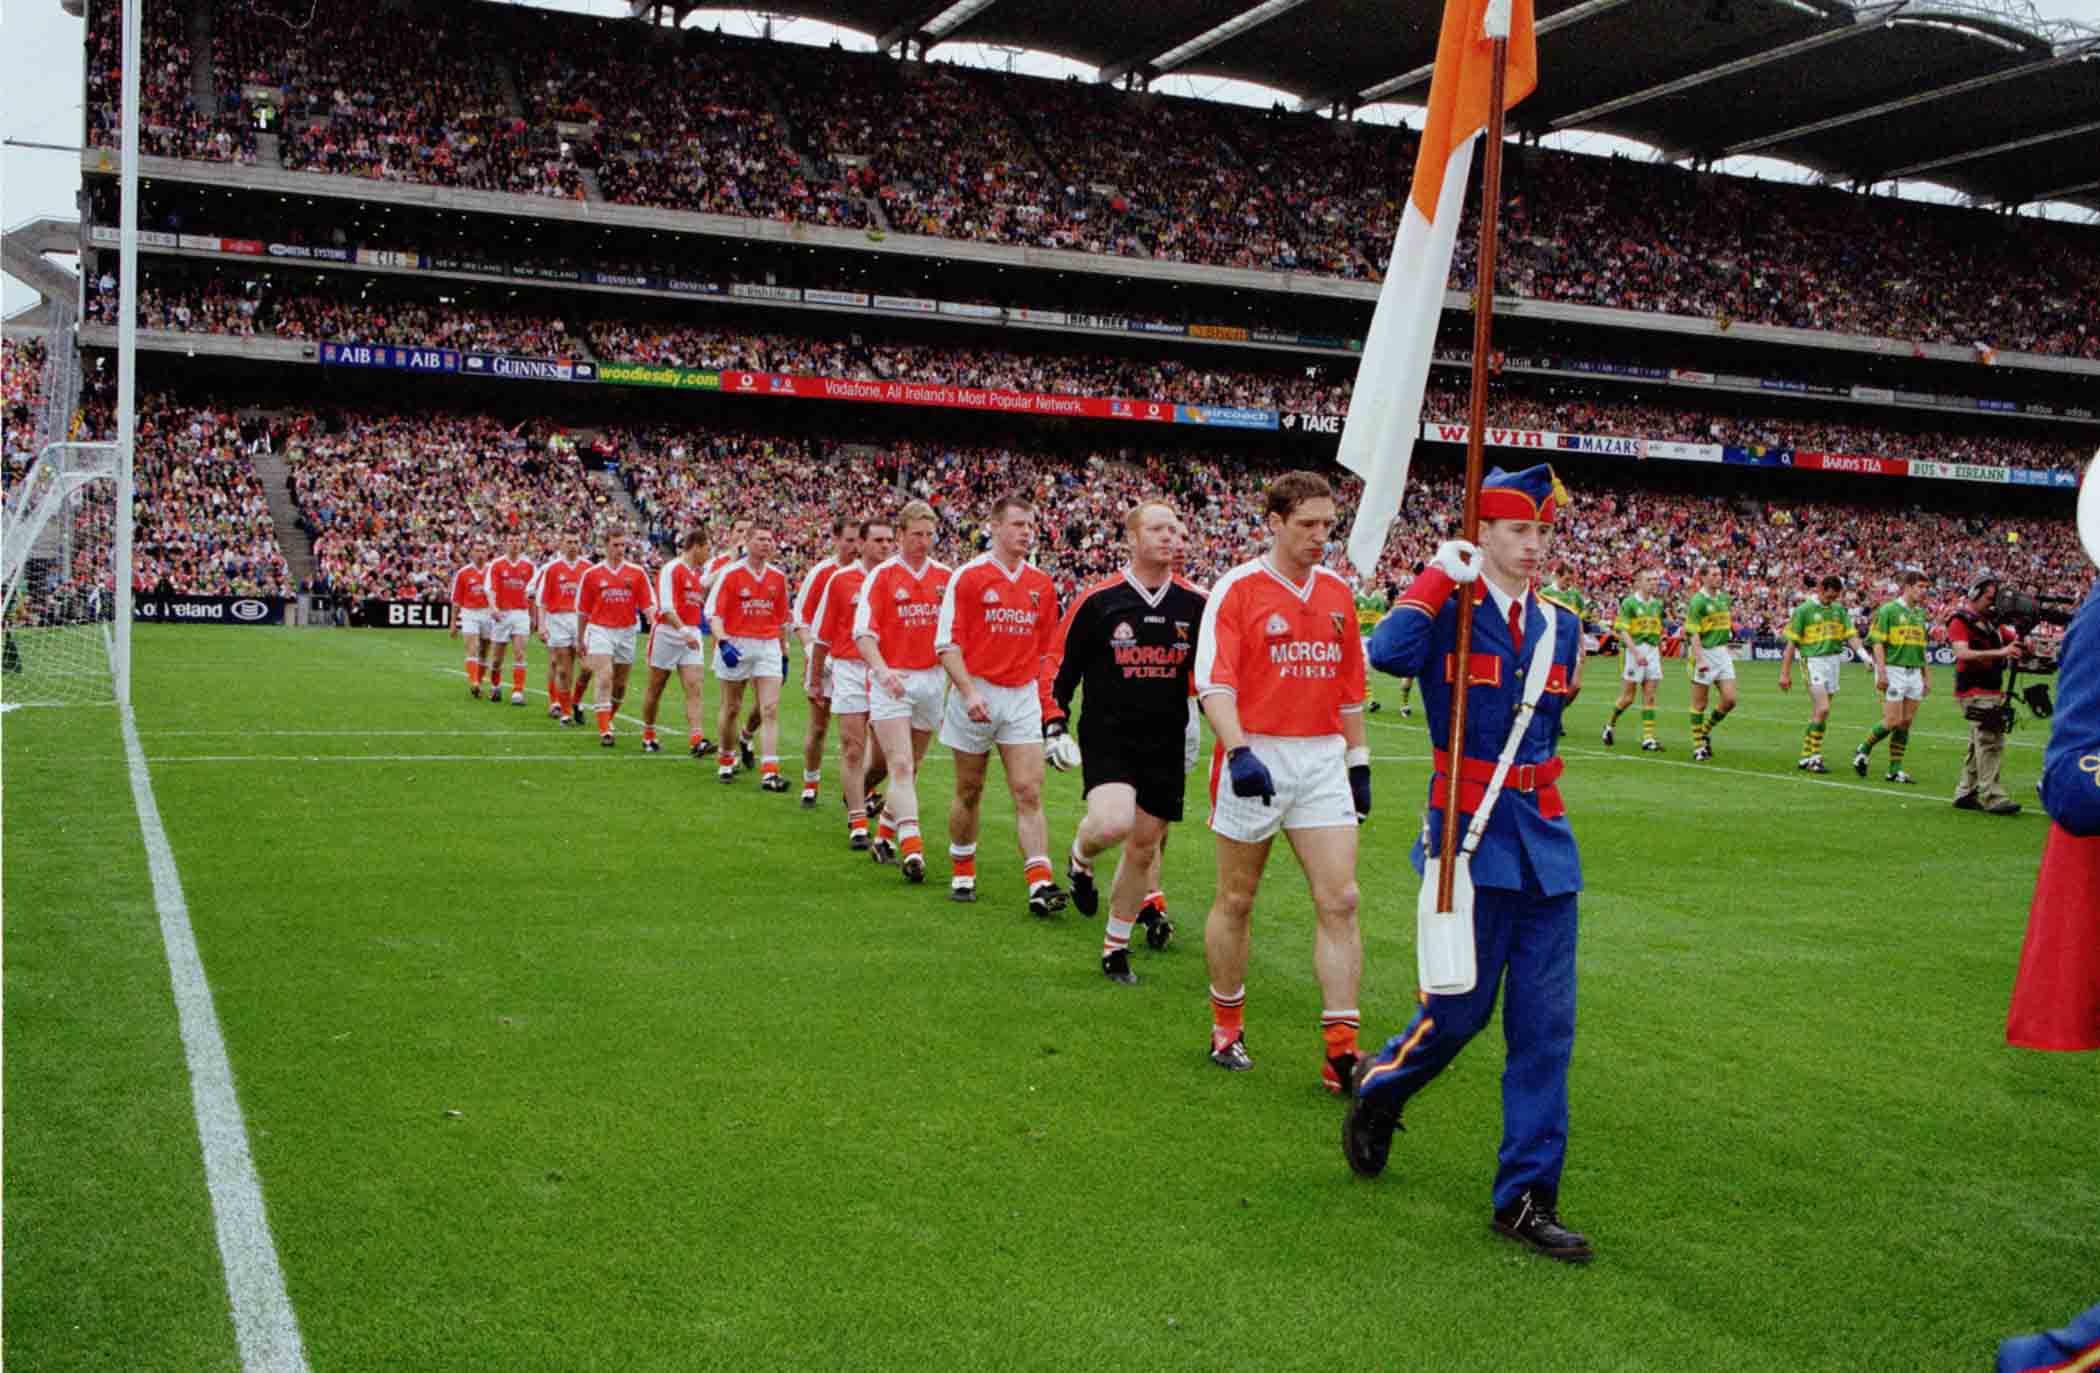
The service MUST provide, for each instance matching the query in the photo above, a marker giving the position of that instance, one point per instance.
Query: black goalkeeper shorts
(1154, 770)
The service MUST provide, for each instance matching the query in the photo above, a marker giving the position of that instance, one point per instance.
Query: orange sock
(648, 731)
(694, 738)
(910, 844)
(962, 865)
(769, 768)
(517, 680)
(1340, 1036)
(1157, 900)
(1038, 870)
(1227, 1015)
(474, 671)
(604, 720)
(884, 829)
(553, 693)
(857, 822)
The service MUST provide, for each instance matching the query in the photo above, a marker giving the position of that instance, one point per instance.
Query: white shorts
(1905, 684)
(474, 624)
(1312, 789)
(849, 686)
(1713, 665)
(755, 658)
(561, 629)
(921, 702)
(1823, 672)
(670, 650)
(1644, 663)
(510, 624)
(616, 644)
(1017, 718)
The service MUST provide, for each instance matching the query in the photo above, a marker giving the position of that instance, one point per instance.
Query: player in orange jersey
(895, 625)
(470, 613)
(609, 600)
(816, 682)
(554, 607)
(833, 653)
(510, 617)
(1280, 673)
(738, 548)
(748, 606)
(674, 645)
(998, 622)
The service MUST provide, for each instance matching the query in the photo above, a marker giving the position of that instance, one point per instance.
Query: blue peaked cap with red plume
(1533, 494)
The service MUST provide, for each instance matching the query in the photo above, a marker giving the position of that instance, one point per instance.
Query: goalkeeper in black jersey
(1129, 646)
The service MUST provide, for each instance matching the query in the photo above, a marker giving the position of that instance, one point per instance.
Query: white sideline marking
(264, 1325)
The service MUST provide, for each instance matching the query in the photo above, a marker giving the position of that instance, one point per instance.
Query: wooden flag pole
(1476, 454)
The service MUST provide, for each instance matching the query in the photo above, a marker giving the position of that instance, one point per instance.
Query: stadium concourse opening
(593, 1064)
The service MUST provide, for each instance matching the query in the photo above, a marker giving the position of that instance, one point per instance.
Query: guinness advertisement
(146, 607)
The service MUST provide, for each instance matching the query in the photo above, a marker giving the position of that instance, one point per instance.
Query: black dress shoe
(1967, 801)
(1532, 1220)
(1367, 1131)
(2007, 807)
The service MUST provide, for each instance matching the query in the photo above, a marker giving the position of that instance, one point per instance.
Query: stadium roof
(1980, 95)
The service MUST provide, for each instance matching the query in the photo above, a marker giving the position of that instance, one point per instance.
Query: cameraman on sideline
(1982, 648)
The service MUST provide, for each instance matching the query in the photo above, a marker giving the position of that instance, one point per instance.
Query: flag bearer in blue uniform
(1525, 872)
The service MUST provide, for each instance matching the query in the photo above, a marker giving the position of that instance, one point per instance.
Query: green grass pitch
(555, 1057)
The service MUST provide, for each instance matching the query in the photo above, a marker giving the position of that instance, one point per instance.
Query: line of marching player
(1819, 632)
(899, 645)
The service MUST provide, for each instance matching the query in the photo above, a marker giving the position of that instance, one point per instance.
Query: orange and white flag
(1385, 411)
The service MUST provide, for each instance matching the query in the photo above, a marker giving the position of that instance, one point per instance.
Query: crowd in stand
(692, 121)
(170, 122)
(21, 400)
(203, 524)
(391, 501)
(330, 308)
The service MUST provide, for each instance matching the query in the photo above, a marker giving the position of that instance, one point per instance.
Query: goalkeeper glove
(1060, 749)
(1250, 776)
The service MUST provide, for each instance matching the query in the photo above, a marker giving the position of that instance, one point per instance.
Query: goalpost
(65, 541)
(59, 570)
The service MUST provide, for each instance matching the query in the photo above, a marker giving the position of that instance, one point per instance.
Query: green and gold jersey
(1640, 620)
(1710, 616)
(1819, 630)
(1567, 598)
(1901, 631)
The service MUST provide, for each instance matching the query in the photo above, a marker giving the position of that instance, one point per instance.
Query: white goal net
(58, 551)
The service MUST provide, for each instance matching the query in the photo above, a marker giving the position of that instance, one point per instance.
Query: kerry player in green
(1900, 673)
(1819, 631)
(1640, 627)
(1709, 624)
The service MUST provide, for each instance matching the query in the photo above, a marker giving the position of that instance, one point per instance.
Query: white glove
(1061, 751)
(1458, 560)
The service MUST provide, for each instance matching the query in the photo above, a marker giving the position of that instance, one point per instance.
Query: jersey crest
(1123, 633)
(991, 597)
(1277, 627)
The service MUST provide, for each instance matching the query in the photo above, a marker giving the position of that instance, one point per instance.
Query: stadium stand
(21, 400)
(336, 307)
(700, 122)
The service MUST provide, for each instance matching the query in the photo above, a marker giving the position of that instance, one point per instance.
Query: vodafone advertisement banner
(948, 397)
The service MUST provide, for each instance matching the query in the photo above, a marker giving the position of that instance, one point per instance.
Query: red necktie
(1516, 626)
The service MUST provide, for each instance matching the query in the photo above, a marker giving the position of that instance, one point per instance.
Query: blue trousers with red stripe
(1527, 941)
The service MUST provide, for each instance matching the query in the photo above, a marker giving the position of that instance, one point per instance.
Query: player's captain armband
(1483, 669)
(1556, 679)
